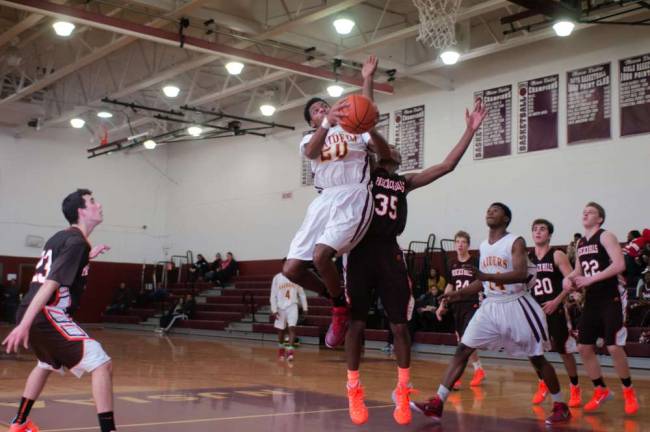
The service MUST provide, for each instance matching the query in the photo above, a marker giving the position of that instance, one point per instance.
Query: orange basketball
(360, 116)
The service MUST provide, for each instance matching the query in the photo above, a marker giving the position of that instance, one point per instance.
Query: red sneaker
(281, 354)
(541, 393)
(402, 398)
(336, 332)
(457, 385)
(601, 395)
(560, 414)
(576, 396)
(631, 404)
(432, 408)
(356, 405)
(477, 379)
(28, 426)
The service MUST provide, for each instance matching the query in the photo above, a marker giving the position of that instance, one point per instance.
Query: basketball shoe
(560, 414)
(339, 325)
(631, 404)
(28, 426)
(541, 393)
(431, 408)
(356, 405)
(601, 395)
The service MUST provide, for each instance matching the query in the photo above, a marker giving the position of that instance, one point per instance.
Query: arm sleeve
(304, 142)
(67, 265)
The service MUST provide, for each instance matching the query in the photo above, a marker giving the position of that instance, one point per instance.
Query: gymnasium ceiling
(53, 79)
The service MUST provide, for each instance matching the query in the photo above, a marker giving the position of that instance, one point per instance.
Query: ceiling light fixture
(343, 26)
(171, 91)
(234, 67)
(63, 28)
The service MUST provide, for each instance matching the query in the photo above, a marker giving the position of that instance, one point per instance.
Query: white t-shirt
(285, 293)
(343, 159)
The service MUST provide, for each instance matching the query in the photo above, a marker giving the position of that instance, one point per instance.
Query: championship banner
(306, 174)
(634, 95)
(589, 106)
(494, 137)
(538, 114)
(409, 137)
(383, 126)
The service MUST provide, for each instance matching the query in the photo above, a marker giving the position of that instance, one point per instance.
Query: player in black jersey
(599, 261)
(44, 314)
(462, 271)
(552, 265)
(377, 264)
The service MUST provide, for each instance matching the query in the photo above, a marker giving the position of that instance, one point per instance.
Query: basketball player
(508, 318)
(285, 296)
(461, 274)
(338, 218)
(377, 263)
(44, 315)
(552, 265)
(599, 260)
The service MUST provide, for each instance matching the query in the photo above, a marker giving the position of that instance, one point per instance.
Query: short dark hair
(549, 225)
(577, 236)
(310, 102)
(599, 209)
(72, 203)
(635, 234)
(505, 209)
(463, 234)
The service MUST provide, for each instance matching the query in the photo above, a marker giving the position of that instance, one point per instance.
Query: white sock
(557, 397)
(477, 365)
(443, 393)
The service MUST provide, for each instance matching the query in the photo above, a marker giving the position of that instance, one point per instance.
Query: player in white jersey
(508, 317)
(285, 297)
(338, 218)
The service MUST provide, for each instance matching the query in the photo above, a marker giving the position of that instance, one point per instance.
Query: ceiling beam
(20, 27)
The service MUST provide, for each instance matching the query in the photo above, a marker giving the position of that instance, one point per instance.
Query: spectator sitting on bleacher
(436, 279)
(121, 301)
(227, 271)
(214, 267)
(182, 309)
(199, 268)
(425, 308)
(571, 249)
(643, 287)
(644, 338)
(285, 297)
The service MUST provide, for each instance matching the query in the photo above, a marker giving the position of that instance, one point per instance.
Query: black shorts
(378, 265)
(558, 329)
(603, 320)
(463, 313)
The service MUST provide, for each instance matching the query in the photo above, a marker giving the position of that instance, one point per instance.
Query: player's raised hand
(18, 336)
(338, 111)
(476, 117)
(98, 250)
(369, 67)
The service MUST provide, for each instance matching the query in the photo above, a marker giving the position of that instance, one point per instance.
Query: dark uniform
(547, 287)
(460, 275)
(55, 338)
(377, 261)
(602, 315)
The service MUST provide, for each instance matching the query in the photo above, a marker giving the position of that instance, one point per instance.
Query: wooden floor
(206, 384)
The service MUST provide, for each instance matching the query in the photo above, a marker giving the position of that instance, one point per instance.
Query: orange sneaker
(541, 393)
(28, 426)
(576, 396)
(631, 404)
(401, 398)
(457, 385)
(477, 379)
(601, 395)
(357, 407)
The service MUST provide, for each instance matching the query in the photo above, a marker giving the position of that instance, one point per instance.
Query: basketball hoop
(437, 22)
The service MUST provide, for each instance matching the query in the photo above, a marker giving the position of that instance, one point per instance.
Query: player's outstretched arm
(368, 74)
(455, 296)
(519, 271)
(473, 121)
(616, 266)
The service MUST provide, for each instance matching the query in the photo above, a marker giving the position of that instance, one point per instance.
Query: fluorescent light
(194, 131)
(77, 123)
(343, 25)
(450, 57)
(171, 91)
(335, 90)
(63, 28)
(563, 27)
(149, 144)
(234, 68)
(104, 114)
(267, 110)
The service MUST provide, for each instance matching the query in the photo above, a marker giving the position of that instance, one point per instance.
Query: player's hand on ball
(476, 117)
(98, 250)
(337, 111)
(18, 336)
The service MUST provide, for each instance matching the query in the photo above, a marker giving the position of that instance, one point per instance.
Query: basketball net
(437, 22)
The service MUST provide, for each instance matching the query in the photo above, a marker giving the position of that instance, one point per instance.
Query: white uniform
(284, 301)
(508, 318)
(341, 214)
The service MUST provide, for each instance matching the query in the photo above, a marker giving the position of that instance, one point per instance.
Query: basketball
(360, 116)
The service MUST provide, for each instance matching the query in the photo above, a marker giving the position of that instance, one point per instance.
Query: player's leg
(324, 263)
(102, 386)
(291, 322)
(615, 336)
(281, 347)
(33, 388)
(297, 272)
(545, 370)
(479, 373)
(291, 330)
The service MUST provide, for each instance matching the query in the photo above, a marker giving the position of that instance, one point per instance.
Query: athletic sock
(403, 376)
(106, 421)
(598, 382)
(477, 365)
(627, 382)
(557, 397)
(443, 393)
(574, 380)
(23, 410)
(353, 378)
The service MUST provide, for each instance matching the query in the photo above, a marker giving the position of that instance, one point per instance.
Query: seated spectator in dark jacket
(425, 308)
(227, 271)
(183, 309)
(215, 266)
(121, 301)
(199, 268)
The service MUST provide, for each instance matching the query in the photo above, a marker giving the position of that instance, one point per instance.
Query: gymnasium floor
(207, 384)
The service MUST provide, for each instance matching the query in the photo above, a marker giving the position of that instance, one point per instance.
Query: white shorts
(286, 317)
(339, 218)
(94, 356)
(516, 326)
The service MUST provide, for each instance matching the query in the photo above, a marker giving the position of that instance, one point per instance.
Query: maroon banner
(538, 114)
(409, 137)
(494, 137)
(589, 105)
(634, 95)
